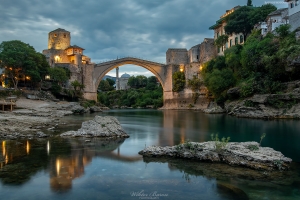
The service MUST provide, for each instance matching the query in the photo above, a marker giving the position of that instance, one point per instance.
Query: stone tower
(117, 79)
(59, 39)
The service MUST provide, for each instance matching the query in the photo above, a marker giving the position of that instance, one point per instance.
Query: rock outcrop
(246, 154)
(108, 127)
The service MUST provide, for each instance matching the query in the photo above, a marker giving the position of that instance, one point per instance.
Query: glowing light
(48, 147)
(47, 77)
(3, 148)
(56, 58)
(181, 69)
(6, 159)
(27, 77)
(201, 67)
(57, 166)
(27, 147)
(10, 68)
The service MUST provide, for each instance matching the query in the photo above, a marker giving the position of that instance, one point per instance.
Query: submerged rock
(247, 154)
(99, 127)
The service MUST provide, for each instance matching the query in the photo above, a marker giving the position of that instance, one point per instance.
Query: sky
(110, 29)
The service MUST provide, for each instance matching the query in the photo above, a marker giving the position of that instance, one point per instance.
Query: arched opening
(126, 85)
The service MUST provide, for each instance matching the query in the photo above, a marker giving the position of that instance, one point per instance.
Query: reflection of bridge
(94, 73)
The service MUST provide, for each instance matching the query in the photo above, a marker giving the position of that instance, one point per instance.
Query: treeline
(260, 66)
(143, 92)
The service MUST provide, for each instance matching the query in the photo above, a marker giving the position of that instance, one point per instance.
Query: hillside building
(294, 13)
(219, 29)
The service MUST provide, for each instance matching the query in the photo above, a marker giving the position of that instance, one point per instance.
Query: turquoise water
(58, 168)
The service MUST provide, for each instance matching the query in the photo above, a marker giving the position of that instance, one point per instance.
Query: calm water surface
(58, 168)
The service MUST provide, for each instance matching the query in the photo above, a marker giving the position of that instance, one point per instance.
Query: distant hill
(110, 77)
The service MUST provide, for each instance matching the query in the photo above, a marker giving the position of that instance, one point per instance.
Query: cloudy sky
(108, 29)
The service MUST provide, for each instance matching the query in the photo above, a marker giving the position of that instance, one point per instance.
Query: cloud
(108, 29)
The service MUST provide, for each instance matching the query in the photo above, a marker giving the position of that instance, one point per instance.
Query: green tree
(104, 85)
(249, 3)
(58, 74)
(259, 14)
(239, 21)
(151, 83)
(20, 59)
(77, 86)
(111, 82)
(178, 81)
(195, 83)
(221, 41)
(137, 82)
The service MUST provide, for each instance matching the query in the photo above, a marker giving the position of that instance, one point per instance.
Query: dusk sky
(108, 29)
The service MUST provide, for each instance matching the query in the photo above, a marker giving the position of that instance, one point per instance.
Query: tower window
(65, 35)
(236, 41)
(241, 38)
(55, 35)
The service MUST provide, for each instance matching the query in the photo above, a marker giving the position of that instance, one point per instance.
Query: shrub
(219, 144)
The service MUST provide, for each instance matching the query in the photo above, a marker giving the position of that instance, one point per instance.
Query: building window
(297, 3)
(226, 45)
(230, 42)
(241, 38)
(219, 50)
(236, 41)
(217, 34)
(292, 5)
(65, 35)
(55, 35)
(197, 57)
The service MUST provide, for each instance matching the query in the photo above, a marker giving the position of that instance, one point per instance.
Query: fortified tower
(59, 39)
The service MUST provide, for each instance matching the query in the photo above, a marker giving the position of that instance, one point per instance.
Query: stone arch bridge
(93, 74)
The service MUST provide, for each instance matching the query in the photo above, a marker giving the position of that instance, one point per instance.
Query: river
(58, 168)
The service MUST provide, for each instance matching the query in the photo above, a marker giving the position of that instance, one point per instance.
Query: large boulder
(246, 154)
(99, 127)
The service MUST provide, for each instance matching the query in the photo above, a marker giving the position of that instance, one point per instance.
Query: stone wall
(194, 53)
(295, 21)
(177, 56)
(207, 50)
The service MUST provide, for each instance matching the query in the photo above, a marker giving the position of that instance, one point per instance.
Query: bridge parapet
(118, 60)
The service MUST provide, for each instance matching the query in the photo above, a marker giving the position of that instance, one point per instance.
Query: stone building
(294, 13)
(123, 81)
(233, 39)
(61, 53)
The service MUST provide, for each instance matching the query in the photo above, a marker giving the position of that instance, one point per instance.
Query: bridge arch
(103, 68)
(93, 74)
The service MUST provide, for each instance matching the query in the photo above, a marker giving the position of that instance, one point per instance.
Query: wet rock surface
(108, 127)
(246, 154)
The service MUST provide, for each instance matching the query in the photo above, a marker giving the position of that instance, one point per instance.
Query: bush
(178, 81)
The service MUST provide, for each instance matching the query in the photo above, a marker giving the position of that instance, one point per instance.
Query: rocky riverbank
(31, 117)
(246, 154)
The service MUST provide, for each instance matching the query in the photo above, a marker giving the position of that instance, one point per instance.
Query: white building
(277, 18)
(294, 13)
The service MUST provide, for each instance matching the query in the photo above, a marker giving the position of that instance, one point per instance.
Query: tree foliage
(137, 82)
(58, 74)
(249, 3)
(221, 40)
(21, 60)
(105, 85)
(178, 81)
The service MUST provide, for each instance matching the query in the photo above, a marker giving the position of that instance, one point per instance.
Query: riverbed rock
(246, 154)
(107, 126)
(213, 108)
(95, 109)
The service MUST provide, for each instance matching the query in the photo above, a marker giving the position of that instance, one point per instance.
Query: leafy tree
(178, 81)
(221, 41)
(77, 86)
(259, 14)
(151, 83)
(240, 22)
(137, 82)
(249, 3)
(20, 59)
(110, 81)
(104, 85)
(58, 74)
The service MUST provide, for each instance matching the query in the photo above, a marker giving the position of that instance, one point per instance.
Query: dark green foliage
(178, 81)
(58, 74)
(105, 86)
(151, 94)
(111, 82)
(20, 60)
(87, 103)
(249, 3)
(195, 83)
(137, 82)
(218, 81)
(221, 40)
(55, 89)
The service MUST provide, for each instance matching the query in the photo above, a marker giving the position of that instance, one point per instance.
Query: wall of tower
(176, 56)
(59, 39)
